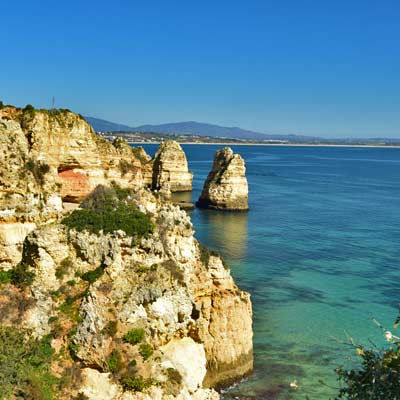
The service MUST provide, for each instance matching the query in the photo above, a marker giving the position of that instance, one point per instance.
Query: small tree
(378, 377)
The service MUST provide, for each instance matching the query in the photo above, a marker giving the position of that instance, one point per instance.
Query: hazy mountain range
(204, 129)
(189, 128)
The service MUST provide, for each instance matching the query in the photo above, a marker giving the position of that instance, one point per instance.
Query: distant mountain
(182, 128)
(101, 125)
(202, 129)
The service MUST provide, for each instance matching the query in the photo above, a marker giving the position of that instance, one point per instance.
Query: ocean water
(319, 251)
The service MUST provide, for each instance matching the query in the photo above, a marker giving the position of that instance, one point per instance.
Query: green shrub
(70, 307)
(5, 276)
(378, 376)
(135, 383)
(25, 366)
(65, 266)
(1, 105)
(110, 329)
(125, 217)
(92, 276)
(21, 276)
(114, 361)
(146, 351)
(134, 336)
(73, 348)
(29, 108)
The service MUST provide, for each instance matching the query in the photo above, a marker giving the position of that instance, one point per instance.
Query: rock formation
(170, 168)
(124, 302)
(226, 186)
(48, 157)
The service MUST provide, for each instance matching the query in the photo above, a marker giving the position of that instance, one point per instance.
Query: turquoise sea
(319, 251)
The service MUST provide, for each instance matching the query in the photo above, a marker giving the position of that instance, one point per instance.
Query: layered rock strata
(155, 316)
(47, 158)
(197, 322)
(170, 168)
(226, 186)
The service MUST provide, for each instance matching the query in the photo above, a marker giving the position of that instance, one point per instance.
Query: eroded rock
(226, 186)
(170, 168)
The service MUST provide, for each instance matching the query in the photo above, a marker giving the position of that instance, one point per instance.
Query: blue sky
(328, 68)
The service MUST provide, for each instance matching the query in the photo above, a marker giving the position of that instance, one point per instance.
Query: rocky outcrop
(48, 157)
(170, 168)
(148, 316)
(226, 186)
(194, 318)
(61, 148)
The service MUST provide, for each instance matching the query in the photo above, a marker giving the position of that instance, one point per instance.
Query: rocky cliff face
(50, 157)
(76, 158)
(226, 186)
(117, 313)
(88, 291)
(170, 168)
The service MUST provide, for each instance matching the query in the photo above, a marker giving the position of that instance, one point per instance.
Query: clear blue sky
(322, 67)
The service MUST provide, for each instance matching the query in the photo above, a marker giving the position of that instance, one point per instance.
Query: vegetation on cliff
(109, 210)
(25, 365)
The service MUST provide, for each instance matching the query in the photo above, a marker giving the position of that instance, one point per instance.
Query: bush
(5, 276)
(110, 329)
(114, 361)
(65, 266)
(134, 336)
(135, 383)
(106, 210)
(1, 105)
(29, 108)
(92, 276)
(71, 305)
(25, 366)
(21, 276)
(146, 351)
(378, 377)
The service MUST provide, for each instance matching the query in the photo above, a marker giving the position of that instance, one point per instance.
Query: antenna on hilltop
(53, 103)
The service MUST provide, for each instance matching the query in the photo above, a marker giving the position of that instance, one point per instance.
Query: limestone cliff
(118, 297)
(48, 157)
(89, 290)
(170, 168)
(226, 186)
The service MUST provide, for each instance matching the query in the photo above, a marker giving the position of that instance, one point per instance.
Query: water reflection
(225, 231)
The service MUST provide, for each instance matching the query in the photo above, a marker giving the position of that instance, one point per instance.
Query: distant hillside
(189, 128)
(202, 129)
(101, 125)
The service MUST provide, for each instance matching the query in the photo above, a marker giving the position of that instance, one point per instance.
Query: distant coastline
(279, 144)
(141, 138)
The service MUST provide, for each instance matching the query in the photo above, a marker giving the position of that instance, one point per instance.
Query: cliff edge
(116, 299)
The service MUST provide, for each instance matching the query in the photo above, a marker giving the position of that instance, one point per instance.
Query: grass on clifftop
(107, 210)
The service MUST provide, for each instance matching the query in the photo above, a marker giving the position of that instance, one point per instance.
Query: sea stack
(226, 186)
(170, 168)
